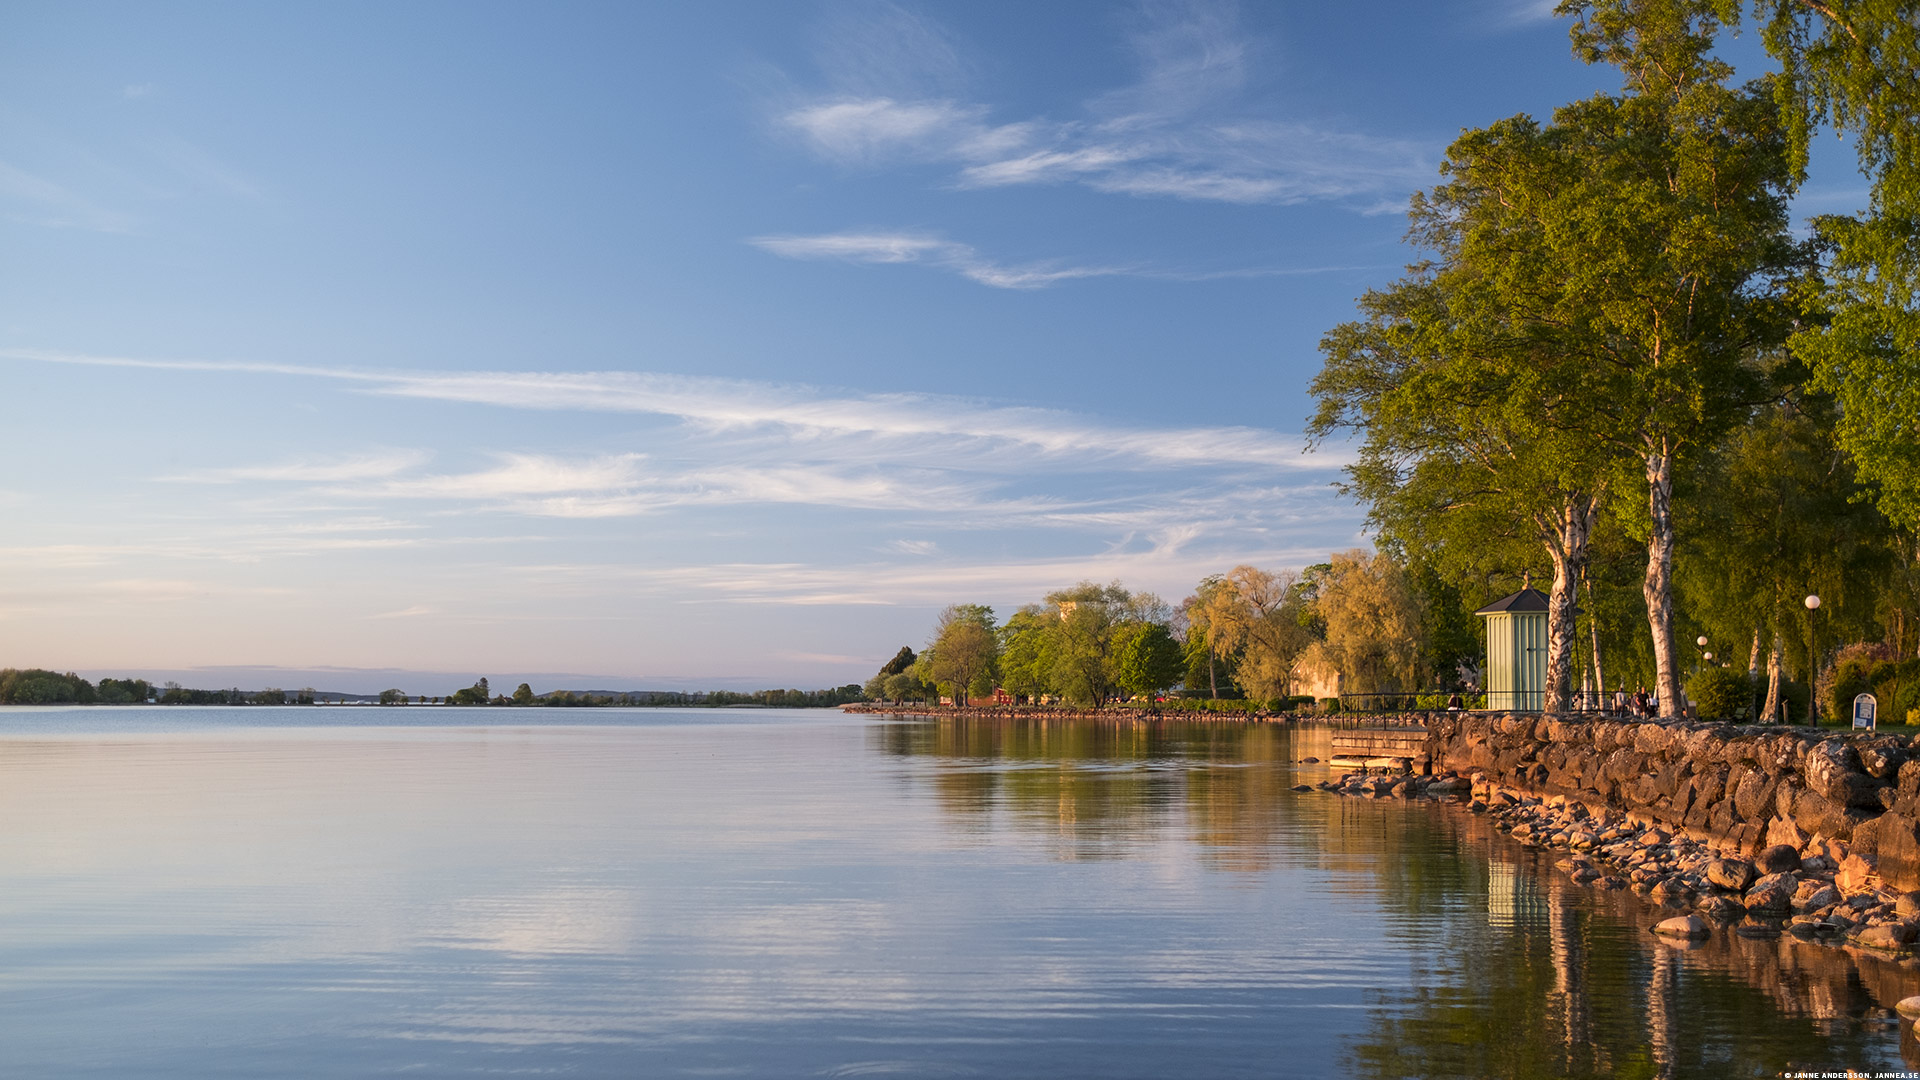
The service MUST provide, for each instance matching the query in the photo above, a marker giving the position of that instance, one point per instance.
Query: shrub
(1430, 702)
(1721, 693)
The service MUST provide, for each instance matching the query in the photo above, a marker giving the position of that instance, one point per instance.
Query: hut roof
(1528, 599)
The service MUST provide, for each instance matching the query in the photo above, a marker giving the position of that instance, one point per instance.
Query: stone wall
(1741, 787)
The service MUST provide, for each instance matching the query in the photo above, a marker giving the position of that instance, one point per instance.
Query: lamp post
(1813, 663)
(1702, 642)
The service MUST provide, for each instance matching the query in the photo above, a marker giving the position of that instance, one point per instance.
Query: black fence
(1586, 701)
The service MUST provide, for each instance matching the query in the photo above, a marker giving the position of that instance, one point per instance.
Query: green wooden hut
(1515, 677)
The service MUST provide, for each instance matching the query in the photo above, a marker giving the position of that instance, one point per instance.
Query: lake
(426, 892)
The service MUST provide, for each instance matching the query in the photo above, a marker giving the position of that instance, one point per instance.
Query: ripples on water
(255, 892)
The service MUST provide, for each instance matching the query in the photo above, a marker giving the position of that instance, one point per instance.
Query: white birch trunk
(1658, 585)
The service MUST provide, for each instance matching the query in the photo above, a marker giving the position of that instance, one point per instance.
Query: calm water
(254, 892)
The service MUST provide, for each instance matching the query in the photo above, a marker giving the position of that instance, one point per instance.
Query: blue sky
(693, 344)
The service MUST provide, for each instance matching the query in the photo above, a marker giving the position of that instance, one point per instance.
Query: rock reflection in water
(1517, 971)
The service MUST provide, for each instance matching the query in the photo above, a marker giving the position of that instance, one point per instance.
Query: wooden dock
(1400, 749)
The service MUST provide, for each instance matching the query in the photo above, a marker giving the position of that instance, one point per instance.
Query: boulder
(1853, 874)
(1897, 843)
(1908, 905)
(1881, 757)
(1670, 890)
(1722, 907)
(1755, 796)
(1830, 764)
(1782, 830)
(1814, 895)
(1780, 858)
(1893, 935)
(1683, 926)
(1769, 901)
(1818, 864)
(1735, 874)
(1303, 787)
(1909, 1008)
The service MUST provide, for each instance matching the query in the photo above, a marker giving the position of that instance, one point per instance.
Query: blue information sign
(1865, 708)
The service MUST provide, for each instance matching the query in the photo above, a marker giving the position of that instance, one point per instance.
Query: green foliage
(393, 697)
(1856, 66)
(1150, 662)
(906, 686)
(1895, 684)
(965, 653)
(523, 694)
(1255, 617)
(1778, 514)
(1721, 693)
(123, 692)
(37, 686)
(477, 694)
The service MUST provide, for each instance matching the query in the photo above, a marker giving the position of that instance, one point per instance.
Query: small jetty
(1400, 749)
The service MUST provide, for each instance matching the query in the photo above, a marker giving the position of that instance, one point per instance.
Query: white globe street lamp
(1813, 663)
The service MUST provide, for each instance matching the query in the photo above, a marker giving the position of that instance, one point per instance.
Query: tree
(523, 694)
(1150, 661)
(1854, 64)
(1781, 514)
(1084, 661)
(1026, 656)
(1647, 232)
(1205, 642)
(1373, 623)
(477, 694)
(393, 697)
(964, 650)
(906, 686)
(1255, 615)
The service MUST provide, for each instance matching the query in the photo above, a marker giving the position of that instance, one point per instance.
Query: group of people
(1639, 703)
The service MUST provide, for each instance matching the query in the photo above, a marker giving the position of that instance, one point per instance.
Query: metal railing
(1583, 701)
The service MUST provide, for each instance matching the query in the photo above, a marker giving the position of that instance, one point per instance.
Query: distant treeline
(37, 686)
(482, 694)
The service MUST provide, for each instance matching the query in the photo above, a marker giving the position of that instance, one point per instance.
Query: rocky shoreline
(1820, 891)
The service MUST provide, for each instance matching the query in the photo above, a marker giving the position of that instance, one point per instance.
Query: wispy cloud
(884, 247)
(927, 583)
(904, 248)
(413, 612)
(313, 470)
(1527, 11)
(719, 405)
(1183, 129)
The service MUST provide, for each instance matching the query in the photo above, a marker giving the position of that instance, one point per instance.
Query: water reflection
(819, 895)
(1515, 971)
